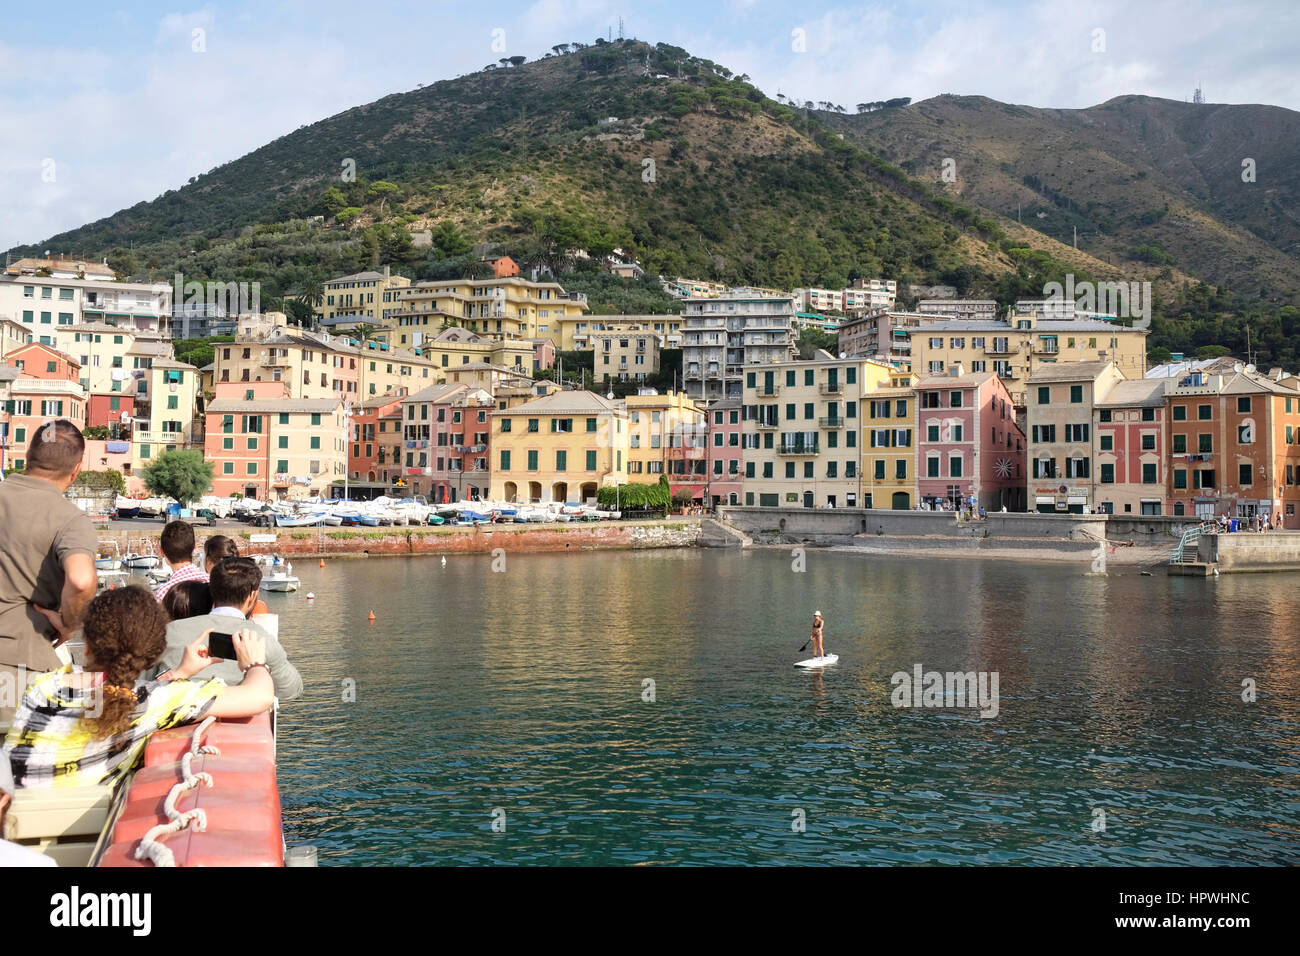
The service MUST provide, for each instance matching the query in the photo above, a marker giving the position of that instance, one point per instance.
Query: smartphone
(221, 645)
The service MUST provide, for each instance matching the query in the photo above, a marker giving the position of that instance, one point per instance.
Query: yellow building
(105, 353)
(15, 334)
(577, 332)
(360, 296)
(165, 400)
(455, 346)
(889, 444)
(562, 447)
(627, 355)
(508, 307)
(1018, 348)
(802, 428)
(657, 425)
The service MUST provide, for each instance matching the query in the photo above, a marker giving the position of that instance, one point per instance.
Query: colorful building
(267, 445)
(666, 437)
(37, 385)
(375, 457)
(561, 447)
(802, 424)
(1063, 477)
(889, 444)
(725, 462)
(1129, 447)
(445, 432)
(968, 442)
(360, 297)
(632, 355)
(502, 307)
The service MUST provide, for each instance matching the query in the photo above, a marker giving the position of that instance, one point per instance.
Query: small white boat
(153, 507)
(108, 556)
(114, 578)
(142, 559)
(280, 581)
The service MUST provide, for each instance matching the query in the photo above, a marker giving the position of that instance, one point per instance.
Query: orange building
(503, 266)
(375, 454)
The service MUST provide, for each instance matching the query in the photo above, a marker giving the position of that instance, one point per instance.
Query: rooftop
(1068, 372)
(567, 403)
(221, 406)
(1135, 392)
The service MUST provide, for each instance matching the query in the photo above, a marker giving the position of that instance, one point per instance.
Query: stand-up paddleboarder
(816, 635)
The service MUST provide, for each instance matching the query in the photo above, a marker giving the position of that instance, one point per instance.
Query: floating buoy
(372, 616)
(310, 596)
(444, 560)
(322, 562)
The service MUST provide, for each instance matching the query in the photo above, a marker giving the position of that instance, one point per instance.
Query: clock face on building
(1002, 467)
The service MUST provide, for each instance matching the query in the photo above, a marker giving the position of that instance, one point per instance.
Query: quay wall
(838, 526)
(680, 532)
(1251, 551)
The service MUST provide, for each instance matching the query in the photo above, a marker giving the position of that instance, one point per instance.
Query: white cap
(817, 613)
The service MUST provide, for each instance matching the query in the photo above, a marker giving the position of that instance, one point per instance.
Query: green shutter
(591, 461)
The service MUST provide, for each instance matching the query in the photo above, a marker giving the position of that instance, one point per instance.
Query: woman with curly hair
(81, 726)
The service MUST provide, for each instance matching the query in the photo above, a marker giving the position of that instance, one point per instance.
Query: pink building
(445, 437)
(1129, 424)
(968, 442)
(38, 385)
(725, 466)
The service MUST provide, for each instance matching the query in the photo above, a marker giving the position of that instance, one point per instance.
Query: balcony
(995, 349)
(835, 422)
(767, 391)
(766, 426)
(799, 448)
(831, 388)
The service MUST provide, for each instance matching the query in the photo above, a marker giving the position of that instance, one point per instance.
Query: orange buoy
(372, 616)
(322, 562)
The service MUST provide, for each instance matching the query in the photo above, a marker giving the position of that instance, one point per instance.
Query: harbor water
(642, 708)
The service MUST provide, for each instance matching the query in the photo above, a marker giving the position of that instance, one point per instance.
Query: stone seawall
(361, 542)
(1247, 551)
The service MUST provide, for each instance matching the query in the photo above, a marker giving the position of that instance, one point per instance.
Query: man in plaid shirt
(178, 552)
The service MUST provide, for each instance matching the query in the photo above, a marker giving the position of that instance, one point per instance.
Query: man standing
(234, 583)
(816, 635)
(177, 542)
(47, 560)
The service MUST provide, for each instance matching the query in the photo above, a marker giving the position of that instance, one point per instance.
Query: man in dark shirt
(47, 560)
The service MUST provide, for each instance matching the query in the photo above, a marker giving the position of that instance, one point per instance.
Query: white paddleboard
(818, 661)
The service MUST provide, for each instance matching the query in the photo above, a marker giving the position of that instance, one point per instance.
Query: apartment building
(359, 297)
(445, 432)
(889, 445)
(37, 385)
(1129, 429)
(883, 335)
(865, 295)
(725, 335)
(577, 331)
(45, 304)
(561, 447)
(377, 444)
(456, 346)
(62, 267)
(12, 335)
(971, 309)
(1059, 416)
(968, 442)
(694, 288)
(1016, 350)
(725, 459)
(165, 401)
(506, 307)
(1234, 444)
(802, 424)
(267, 444)
(665, 436)
(631, 355)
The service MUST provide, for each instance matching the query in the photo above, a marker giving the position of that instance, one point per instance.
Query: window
(931, 432)
(1107, 474)
(929, 399)
(1076, 394)
(808, 469)
(228, 444)
(561, 460)
(900, 469)
(282, 466)
(315, 442)
(252, 468)
(1203, 412)
(173, 401)
(1243, 404)
(810, 410)
(591, 461)
(789, 469)
(956, 433)
(932, 466)
(1245, 474)
(532, 424)
(954, 400)
(1149, 474)
(505, 424)
(1046, 434)
(1205, 444)
(227, 467)
(283, 441)
(1103, 415)
(591, 424)
(954, 466)
(1148, 414)
(900, 408)
(1107, 443)
(1180, 478)
(767, 469)
(1180, 444)
(810, 376)
(1044, 467)
(1148, 442)
(1203, 478)
(880, 468)
(1180, 413)
(532, 460)
(1076, 468)
(1044, 395)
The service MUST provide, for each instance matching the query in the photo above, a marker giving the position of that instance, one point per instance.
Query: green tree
(183, 475)
(449, 241)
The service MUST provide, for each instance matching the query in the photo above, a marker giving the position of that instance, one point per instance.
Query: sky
(116, 103)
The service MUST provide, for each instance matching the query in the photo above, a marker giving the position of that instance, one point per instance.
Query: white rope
(151, 846)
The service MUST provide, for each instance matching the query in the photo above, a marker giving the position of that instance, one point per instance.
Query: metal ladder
(1179, 554)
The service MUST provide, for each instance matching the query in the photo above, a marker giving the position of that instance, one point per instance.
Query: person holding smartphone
(84, 726)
